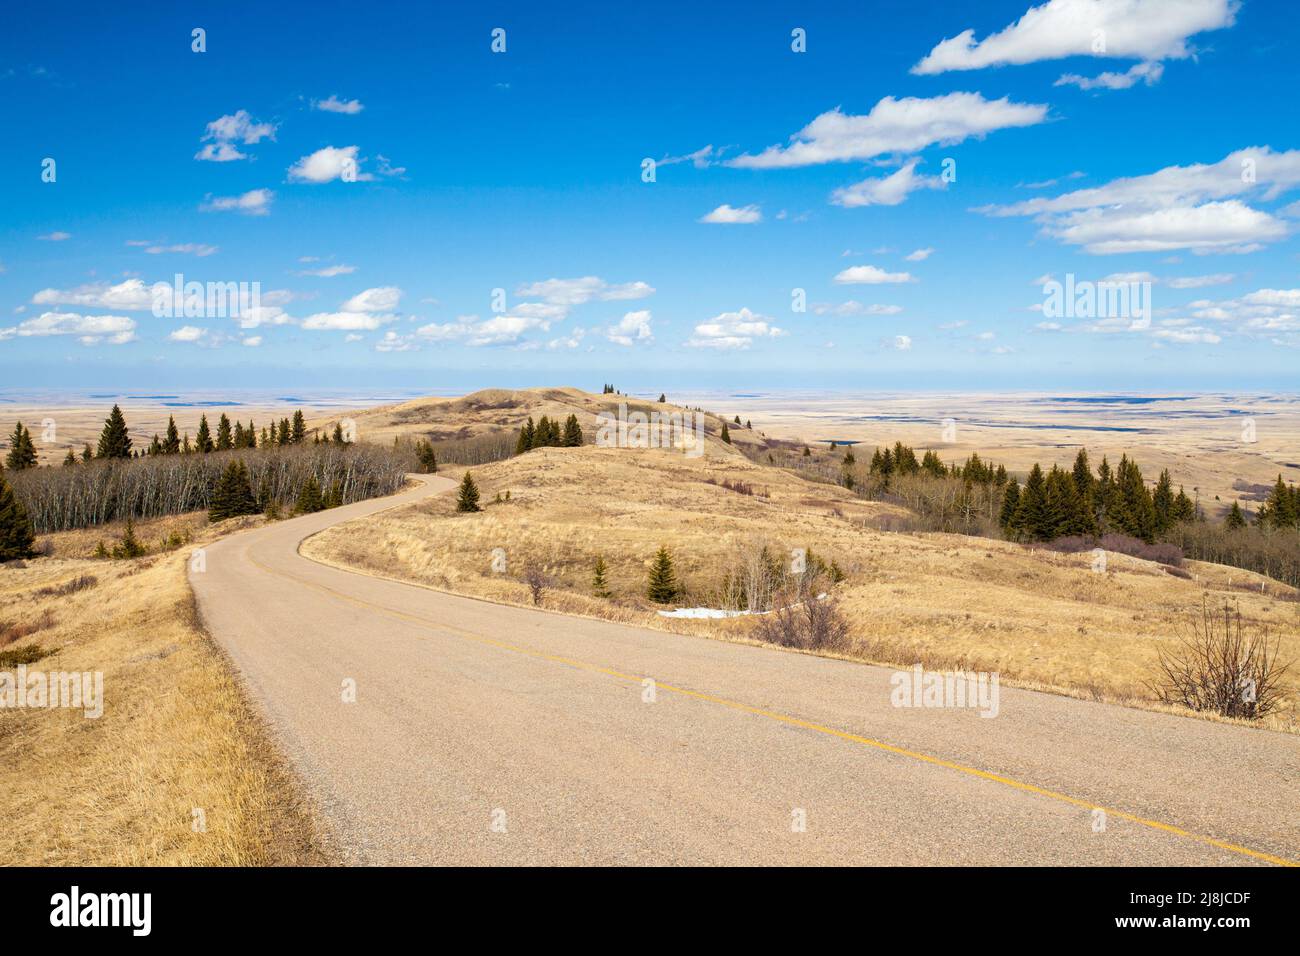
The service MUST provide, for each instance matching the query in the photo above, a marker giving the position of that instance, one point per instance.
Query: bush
(1162, 552)
(803, 619)
(537, 582)
(1223, 669)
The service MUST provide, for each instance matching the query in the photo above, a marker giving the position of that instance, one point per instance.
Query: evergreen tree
(1184, 509)
(237, 437)
(662, 398)
(203, 440)
(1279, 509)
(1163, 503)
(1010, 505)
(299, 428)
(467, 497)
(807, 453)
(233, 494)
(1235, 519)
(285, 435)
(737, 422)
(185, 445)
(1082, 474)
(17, 539)
(225, 440)
(1031, 517)
(131, 546)
(1136, 513)
(527, 435)
(338, 434)
(250, 436)
(22, 450)
(71, 460)
(310, 499)
(662, 587)
(599, 587)
(572, 432)
(86, 454)
(428, 460)
(1060, 505)
(726, 435)
(155, 446)
(931, 465)
(334, 497)
(171, 444)
(849, 460)
(114, 442)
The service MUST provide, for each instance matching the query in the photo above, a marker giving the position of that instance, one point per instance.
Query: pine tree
(1163, 503)
(71, 460)
(1136, 512)
(310, 499)
(662, 587)
(225, 440)
(185, 445)
(1060, 505)
(114, 442)
(572, 432)
(428, 460)
(1184, 509)
(1235, 519)
(467, 497)
(599, 587)
(171, 444)
(1031, 514)
(203, 440)
(726, 435)
(662, 398)
(155, 446)
(1279, 510)
(338, 434)
(334, 497)
(131, 546)
(17, 539)
(806, 452)
(285, 435)
(233, 494)
(250, 436)
(86, 453)
(22, 451)
(299, 428)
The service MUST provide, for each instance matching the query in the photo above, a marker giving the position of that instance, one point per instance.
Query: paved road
(484, 734)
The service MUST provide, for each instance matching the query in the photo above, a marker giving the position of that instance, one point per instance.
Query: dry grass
(1039, 618)
(176, 734)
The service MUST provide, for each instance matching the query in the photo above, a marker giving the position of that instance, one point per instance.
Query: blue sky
(381, 174)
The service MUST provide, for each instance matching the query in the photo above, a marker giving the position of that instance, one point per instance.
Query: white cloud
(871, 275)
(919, 255)
(733, 330)
(1146, 30)
(905, 125)
(731, 215)
(498, 330)
(254, 317)
(335, 105)
(1149, 73)
(345, 321)
(382, 299)
(222, 134)
(255, 202)
(132, 295)
(700, 159)
(328, 271)
(901, 343)
(632, 328)
(855, 308)
(327, 164)
(571, 292)
(89, 329)
(55, 237)
(888, 191)
(571, 341)
(1179, 207)
(393, 342)
(1198, 282)
(188, 333)
(252, 341)
(186, 248)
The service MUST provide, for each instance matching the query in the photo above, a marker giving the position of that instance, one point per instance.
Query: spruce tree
(1235, 519)
(1010, 504)
(22, 451)
(86, 453)
(71, 460)
(726, 435)
(662, 587)
(114, 441)
(467, 497)
(662, 398)
(285, 435)
(338, 434)
(1031, 514)
(131, 546)
(428, 460)
(155, 446)
(1279, 509)
(17, 539)
(225, 440)
(1136, 512)
(572, 432)
(172, 443)
(310, 499)
(527, 436)
(1163, 503)
(203, 440)
(599, 587)
(299, 428)
(233, 494)
(334, 497)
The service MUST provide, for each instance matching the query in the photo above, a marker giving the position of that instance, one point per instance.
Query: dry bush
(80, 583)
(476, 450)
(1162, 552)
(13, 632)
(1222, 668)
(537, 582)
(802, 618)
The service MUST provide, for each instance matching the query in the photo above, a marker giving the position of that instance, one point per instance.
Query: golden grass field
(1039, 618)
(176, 734)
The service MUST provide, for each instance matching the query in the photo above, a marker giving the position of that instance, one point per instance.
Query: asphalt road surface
(486, 734)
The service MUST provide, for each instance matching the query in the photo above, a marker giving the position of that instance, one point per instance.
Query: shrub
(1222, 668)
(80, 583)
(803, 618)
(537, 582)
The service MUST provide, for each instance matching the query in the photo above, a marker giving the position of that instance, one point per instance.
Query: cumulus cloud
(382, 299)
(571, 292)
(88, 329)
(871, 275)
(132, 295)
(632, 328)
(730, 215)
(887, 191)
(224, 133)
(328, 164)
(498, 330)
(919, 255)
(255, 202)
(905, 125)
(1192, 207)
(1147, 30)
(394, 342)
(335, 105)
(1149, 73)
(900, 343)
(733, 330)
(345, 321)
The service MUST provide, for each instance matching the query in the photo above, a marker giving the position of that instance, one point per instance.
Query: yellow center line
(784, 719)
